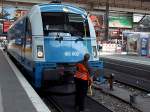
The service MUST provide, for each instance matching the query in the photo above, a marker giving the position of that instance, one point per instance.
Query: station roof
(119, 5)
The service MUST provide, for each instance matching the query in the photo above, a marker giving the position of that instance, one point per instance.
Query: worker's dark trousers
(81, 92)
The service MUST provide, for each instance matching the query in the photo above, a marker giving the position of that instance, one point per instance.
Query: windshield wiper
(79, 39)
(59, 38)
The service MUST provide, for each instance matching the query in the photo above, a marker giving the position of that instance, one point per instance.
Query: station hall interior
(38, 64)
(114, 22)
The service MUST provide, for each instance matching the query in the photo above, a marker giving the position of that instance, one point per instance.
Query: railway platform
(129, 58)
(137, 100)
(16, 94)
(132, 70)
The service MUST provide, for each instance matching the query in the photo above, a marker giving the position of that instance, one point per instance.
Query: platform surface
(16, 95)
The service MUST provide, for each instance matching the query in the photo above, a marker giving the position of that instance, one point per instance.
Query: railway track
(138, 70)
(65, 103)
(52, 104)
(137, 75)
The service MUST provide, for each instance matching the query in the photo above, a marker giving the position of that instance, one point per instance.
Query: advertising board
(120, 22)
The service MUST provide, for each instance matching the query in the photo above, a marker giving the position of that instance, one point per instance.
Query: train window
(78, 25)
(69, 23)
(19, 28)
(28, 34)
(18, 32)
(53, 22)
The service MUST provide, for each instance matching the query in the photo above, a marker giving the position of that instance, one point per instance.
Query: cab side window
(28, 34)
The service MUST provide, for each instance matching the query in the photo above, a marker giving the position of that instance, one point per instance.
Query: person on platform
(82, 81)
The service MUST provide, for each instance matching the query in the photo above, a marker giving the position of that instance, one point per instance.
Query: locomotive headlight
(40, 53)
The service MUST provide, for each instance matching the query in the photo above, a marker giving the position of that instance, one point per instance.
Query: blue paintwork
(39, 66)
(63, 51)
(38, 75)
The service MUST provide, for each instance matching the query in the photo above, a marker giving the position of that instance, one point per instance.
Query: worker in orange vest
(82, 80)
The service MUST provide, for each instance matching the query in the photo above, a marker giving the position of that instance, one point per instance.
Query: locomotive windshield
(69, 24)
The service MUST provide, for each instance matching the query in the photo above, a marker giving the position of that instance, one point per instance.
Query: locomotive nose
(66, 51)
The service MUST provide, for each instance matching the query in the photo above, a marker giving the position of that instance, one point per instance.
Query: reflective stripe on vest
(82, 73)
(83, 76)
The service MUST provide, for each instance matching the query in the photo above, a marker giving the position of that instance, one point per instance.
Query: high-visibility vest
(82, 72)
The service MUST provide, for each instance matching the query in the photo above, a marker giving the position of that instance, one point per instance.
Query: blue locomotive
(49, 40)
